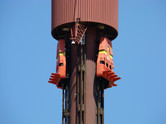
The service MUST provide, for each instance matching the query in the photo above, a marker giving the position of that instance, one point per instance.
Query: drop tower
(84, 30)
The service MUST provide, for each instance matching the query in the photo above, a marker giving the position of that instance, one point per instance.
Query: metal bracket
(78, 33)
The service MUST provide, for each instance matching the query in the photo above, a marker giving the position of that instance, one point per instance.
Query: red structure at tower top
(102, 13)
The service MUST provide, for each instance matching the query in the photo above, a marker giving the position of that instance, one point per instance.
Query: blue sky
(28, 56)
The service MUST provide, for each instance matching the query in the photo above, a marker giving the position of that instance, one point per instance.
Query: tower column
(90, 85)
(73, 84)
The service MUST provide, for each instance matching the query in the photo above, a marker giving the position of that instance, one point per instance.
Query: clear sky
(28, 57)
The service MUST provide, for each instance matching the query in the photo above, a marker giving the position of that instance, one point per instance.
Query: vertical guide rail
(66, 105)
(63, 105)
(77, 88)
(65, 90)
(100, 102)
(81, 85)
(84, 98)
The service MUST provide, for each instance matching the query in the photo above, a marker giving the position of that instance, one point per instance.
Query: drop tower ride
(84, 30)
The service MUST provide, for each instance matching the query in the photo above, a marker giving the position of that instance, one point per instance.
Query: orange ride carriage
(105, 63)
